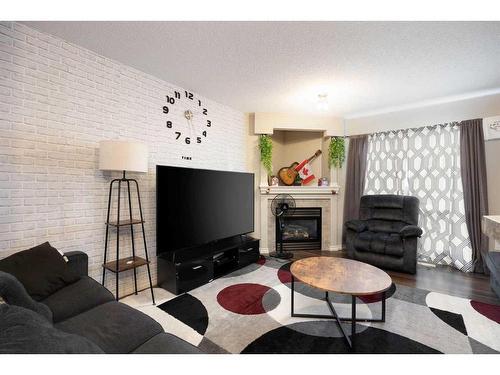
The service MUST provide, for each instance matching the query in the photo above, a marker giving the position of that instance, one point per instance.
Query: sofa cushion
(42, 270)
(76, 298)
(24, 331)
(356, 225)
(14, 293)
(113, 326)
(386, 226)
(389, 207)
(379, 243)
(165, 343)
(394, 245)
(410, 231)
(363, 240)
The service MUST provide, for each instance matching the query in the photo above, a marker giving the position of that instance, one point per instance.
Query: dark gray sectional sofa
(81, 317)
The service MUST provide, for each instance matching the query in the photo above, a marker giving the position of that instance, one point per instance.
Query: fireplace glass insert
(302, 229)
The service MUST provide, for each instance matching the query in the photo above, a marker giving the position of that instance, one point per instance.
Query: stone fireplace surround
(305, 196)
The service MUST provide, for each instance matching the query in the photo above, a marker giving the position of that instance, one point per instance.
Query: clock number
(198, 139)
(205, 111)
(199, 103)
(169, 124)
(209, 123)
(187, 140)
(165, 109)
(204, 133)
(178, 135)
(170, 100)
(189, 95)
(177, 94)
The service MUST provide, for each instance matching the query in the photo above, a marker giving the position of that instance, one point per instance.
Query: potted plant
(266, 153)
(336, 157)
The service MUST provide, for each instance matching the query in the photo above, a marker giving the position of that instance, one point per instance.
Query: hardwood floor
(437, 279)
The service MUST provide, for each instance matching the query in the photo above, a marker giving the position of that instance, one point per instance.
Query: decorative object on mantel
(133, 157)
(323, 181)
(336, 152)
(281, 205)
(274, 181)
(288, 175)
(266, 153)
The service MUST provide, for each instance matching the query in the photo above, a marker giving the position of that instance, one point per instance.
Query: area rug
(248, 311)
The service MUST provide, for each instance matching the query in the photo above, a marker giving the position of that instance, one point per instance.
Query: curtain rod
(458, 123)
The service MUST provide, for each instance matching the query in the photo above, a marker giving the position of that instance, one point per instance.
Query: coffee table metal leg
(353, 322)
(383, 306)
(293, 287)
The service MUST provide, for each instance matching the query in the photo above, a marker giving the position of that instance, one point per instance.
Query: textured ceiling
(283, 66)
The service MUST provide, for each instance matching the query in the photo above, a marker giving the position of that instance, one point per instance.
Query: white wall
(57, 101)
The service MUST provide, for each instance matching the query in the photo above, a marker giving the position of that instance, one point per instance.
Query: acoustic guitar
(288, 175)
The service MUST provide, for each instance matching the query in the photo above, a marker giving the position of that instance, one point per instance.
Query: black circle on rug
(285, 276)
(371, 341)
(248, 298)
(324, 328)
(189, 310)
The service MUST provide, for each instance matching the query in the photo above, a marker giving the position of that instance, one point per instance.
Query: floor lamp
(124, 156)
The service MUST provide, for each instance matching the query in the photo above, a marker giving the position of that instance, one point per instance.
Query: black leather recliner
(386, 233)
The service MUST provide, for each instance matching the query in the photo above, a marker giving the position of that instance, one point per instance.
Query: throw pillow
(41, 269)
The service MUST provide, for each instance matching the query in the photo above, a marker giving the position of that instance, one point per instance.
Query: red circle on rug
(490, 311)
(245, 299)
(284, 274)
(262, 260)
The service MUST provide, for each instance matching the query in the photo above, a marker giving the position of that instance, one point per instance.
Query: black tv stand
(182, 270)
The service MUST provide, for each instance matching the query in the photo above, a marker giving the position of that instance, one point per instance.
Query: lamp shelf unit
(124, 156)
(125, 222)
(125, 264)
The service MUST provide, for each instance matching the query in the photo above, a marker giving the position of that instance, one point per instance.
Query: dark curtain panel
(355, 177)
(473, 170)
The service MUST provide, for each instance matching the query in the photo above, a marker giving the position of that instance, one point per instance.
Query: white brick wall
(57, 101)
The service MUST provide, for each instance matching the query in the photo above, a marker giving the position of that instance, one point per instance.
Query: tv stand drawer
(193, 274)
(248, 253)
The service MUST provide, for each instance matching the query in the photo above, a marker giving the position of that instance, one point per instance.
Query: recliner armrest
(356, 225)
(78, 261)
(410, 231)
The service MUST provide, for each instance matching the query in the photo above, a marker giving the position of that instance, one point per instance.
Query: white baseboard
(335, 248)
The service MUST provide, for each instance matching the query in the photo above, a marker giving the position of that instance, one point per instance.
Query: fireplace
(302, 229)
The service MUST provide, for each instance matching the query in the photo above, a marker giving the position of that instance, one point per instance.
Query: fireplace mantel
(296, 190)
(305, 196)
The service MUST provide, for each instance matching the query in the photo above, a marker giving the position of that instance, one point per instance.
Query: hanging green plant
(266, 152)
(336, 152)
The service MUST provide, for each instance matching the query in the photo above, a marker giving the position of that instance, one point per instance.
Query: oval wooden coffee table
(345, 276)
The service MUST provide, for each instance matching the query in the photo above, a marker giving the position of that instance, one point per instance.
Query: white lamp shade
(123, 156)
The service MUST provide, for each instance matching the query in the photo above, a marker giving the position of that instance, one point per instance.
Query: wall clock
(196, 125)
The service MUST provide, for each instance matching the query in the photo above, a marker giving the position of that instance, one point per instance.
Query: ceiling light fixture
(322, 102)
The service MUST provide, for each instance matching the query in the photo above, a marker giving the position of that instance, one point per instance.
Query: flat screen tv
(198, 206)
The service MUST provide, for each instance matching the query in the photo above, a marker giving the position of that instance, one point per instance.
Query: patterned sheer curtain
(425, 163)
